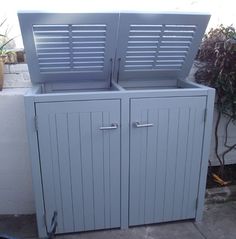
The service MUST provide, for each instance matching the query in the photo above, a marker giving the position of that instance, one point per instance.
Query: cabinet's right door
(165, 158)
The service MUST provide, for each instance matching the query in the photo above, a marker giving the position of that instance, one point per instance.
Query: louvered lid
(69, 47)
(158, 46)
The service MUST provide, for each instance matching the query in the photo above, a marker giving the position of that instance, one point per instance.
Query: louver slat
(154, 46)
(151, 48)
(68, 45)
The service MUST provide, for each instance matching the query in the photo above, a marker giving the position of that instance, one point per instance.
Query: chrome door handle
(113, 126)
(138, 125)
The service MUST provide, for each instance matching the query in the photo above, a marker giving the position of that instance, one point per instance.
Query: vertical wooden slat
(187, 173)
(86, 154)
(34, 151)
(114, 144)
(106, 168)
(142, 167)
(56, 171)
(161, 160)
(47, 169)
(98, 170)
(125, 160)
(150, 166)
(196, 160)
(171, 161)
(135, 151)
(180, 163)
(64, 162)
(76, 170)
(205, 152)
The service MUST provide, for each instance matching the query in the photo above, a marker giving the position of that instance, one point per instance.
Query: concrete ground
(219, 222)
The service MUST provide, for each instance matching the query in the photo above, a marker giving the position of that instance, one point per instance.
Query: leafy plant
(4, 39)
(217, 68)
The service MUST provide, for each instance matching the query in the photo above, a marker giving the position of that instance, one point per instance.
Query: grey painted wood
(76, 170)
(97, 95)
(144, 37)
(87, 169)
(195, 168)
(106, 163)
(64, 167)
(173, 121)
(189, 152)
(205, 153)
(67, 60)
(35, 165)
(161, 137)
(52, 131)
(80, 163)
(161, 159)
(180, 162)
(98, 179)
(98, 169)
(115, 165)
(125, 147)
(142, 165)
(161, 155)
(150, 167)
(134, 167)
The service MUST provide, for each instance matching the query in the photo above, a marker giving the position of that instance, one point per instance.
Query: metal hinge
(36, 126)
(205, 115)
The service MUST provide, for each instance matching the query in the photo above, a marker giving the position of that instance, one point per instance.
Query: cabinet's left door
(79, 144)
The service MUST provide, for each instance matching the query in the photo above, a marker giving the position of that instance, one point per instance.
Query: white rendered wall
(16, 194)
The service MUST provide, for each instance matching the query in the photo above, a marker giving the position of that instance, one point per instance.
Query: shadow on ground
(219, 222)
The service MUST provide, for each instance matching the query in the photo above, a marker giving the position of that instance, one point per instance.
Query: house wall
(16, 196)
(16, 193)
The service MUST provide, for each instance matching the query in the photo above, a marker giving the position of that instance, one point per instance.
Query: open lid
(158, 46)
(69, 47)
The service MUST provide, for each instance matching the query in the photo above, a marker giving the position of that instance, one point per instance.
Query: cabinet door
(80, 163)
(165, 157)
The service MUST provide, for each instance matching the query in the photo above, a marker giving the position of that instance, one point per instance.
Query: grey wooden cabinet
(80, 163)
(118, 136)
(165, 157)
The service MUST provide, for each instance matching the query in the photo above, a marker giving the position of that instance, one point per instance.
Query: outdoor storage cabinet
(118, 136)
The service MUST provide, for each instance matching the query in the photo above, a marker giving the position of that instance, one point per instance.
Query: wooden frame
(33, 97)
(176, 39)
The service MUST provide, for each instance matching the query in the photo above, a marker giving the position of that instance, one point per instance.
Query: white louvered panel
(70, 48)
(53, 47)
(88, 44)
(142, 46)
(175, 43)
(158, 47)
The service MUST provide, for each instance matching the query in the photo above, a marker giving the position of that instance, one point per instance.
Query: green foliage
(218, 67)
(4, 39)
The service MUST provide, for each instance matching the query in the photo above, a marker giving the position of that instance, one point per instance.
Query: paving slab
(219, 221)
(22, 226)
(180, 230)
